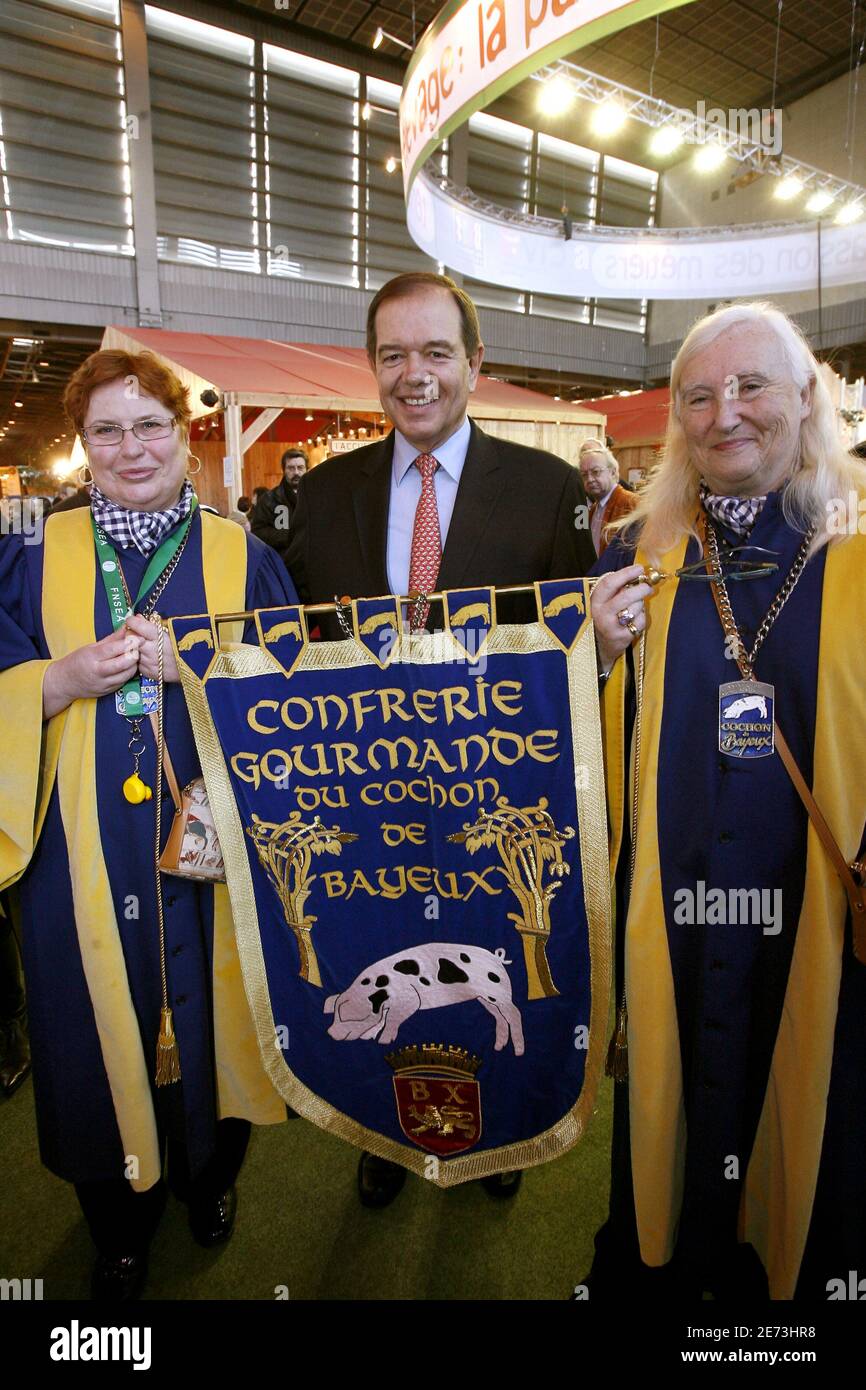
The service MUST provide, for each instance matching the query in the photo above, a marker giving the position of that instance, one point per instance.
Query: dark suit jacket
(513, 522)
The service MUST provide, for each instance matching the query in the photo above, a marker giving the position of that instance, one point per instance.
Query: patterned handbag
(192, 849)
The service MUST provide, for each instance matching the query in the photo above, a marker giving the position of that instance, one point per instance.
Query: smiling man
(438, 504)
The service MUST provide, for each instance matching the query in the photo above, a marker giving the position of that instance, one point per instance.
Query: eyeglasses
(733, 564)
(145, 430)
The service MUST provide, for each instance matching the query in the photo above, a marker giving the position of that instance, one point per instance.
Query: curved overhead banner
(611, 264)
(477, 49)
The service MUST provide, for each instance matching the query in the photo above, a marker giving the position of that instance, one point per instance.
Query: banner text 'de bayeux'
(393, 751)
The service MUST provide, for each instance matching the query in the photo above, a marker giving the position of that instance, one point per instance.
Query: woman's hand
(100, 668)
(610, 597)
(147, 634)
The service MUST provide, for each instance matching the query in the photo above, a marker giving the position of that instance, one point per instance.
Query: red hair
(153, 378)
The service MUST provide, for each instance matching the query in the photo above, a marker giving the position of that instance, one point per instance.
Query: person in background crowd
(240, 513)
(79, 497)
(739, 1155)
(271, 519)
(499, 513)
(78, 657)
(610, 500)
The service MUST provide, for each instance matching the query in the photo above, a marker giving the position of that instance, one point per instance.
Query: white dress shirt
(406, 494)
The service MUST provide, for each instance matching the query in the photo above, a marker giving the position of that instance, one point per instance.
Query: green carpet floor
(301, 1233)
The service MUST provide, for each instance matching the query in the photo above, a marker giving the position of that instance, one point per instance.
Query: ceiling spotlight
(390, 164)
(309, 415)
(44, 364)
(788, 188)
(819, 201)
(381, 34)
(609, 117)
(709, 157)
(666, 139)
(556, 97)
(851, 212)
(19, 404)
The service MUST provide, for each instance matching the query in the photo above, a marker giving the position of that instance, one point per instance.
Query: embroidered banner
(415, 841)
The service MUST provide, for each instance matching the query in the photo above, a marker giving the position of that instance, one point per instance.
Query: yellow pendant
(135, 790)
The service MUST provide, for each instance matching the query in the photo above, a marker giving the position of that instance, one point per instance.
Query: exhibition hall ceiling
(720, 51)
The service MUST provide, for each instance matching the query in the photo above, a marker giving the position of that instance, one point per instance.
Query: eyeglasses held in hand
(733, 565)
(145, 430)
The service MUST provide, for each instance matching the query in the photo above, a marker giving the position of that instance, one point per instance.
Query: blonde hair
(824, 473)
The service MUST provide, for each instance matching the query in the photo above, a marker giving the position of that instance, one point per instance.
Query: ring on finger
(633, 629)
(625, 617)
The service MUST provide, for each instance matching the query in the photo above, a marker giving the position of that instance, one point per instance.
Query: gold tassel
(617, 1052)
(167, 1055)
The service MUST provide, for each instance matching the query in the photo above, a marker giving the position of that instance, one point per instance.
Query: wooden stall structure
(636, 423)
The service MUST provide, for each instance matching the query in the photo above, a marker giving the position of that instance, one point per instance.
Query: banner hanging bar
(347, 599)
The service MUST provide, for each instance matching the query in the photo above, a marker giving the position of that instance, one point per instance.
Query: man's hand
(610, 597)
(147, 634)
(100, 668)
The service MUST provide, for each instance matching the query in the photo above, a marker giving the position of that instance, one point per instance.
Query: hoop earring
(192, 471)
(83, 482)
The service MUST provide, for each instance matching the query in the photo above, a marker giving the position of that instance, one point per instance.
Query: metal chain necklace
(160, 585)
(746, 660)
(747, 722)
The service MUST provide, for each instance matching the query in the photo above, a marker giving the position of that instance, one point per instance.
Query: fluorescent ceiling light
(788, 188)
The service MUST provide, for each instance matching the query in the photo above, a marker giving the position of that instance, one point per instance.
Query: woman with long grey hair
(729, 615)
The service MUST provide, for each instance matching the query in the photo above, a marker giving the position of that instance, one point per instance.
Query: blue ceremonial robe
(735, 824)
(76, 1113)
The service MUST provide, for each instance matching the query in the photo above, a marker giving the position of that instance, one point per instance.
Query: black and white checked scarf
(739, 513)
(144, 530)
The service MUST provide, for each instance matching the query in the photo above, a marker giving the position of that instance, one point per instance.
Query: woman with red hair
(118, 960)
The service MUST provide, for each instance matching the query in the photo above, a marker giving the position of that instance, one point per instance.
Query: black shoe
(379, 1181)
(14, 1052)
(212, 1223)
(118, 1281)
(503, 1185)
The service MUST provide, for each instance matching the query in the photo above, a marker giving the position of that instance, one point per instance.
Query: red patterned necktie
(426, 541)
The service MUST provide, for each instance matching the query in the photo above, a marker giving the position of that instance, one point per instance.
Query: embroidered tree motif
(285, 853)
(529, 845)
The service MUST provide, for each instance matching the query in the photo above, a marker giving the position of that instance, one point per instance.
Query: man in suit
(506, 513)
(437, 504)
(610, 500)
(271, 517)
